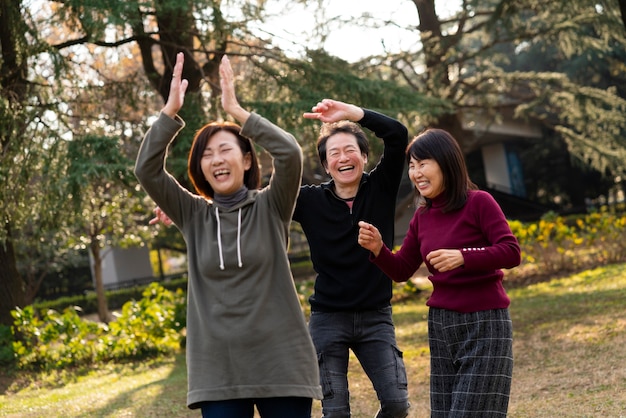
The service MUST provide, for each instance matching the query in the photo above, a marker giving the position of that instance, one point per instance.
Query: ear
(247, 161)
(325, 164)
(364, 158)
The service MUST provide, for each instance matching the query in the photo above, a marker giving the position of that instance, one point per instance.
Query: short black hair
(329, 129)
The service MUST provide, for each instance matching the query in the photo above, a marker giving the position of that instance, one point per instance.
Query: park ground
(569, 347)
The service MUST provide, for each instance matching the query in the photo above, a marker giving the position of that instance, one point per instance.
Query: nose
(416, 173)
(217, 158)
(343, 156)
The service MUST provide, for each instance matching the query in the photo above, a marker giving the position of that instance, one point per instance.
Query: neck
(230, 200)
(346, 192)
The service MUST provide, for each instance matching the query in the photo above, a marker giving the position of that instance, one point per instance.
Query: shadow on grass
(164, 397)
(569, 335)
(7, 379)
(577, 299)
(172, 401)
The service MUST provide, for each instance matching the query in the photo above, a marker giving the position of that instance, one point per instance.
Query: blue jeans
(371, 337)
(279, 407)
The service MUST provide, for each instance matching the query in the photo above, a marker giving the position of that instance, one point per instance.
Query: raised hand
(178, 87)
(329, 111)
(229, 98)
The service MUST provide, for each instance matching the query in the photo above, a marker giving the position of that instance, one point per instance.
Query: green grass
(570, 339)
(569, 344)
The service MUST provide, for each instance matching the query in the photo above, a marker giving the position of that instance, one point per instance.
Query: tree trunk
(436, 46)
(103, 309)
(13, 70)
(11, 284)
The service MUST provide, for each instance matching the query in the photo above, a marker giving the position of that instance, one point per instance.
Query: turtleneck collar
(439, 201)
(230, 200)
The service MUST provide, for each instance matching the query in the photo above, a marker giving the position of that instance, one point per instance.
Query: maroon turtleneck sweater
(482, 233)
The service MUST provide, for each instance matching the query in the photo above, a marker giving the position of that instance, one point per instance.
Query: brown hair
(251, 178)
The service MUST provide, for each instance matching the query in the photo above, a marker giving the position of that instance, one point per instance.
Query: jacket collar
(329, 186)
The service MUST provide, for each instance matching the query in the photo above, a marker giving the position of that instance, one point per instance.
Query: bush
(7, 356)
(557, 244)
(88, 303)
(146, 328)
(55, 340)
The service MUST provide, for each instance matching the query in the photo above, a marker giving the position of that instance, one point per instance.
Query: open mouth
(347, 168)
(422, 185)
(220, 173)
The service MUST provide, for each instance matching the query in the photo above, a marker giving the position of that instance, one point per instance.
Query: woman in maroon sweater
(464, 238)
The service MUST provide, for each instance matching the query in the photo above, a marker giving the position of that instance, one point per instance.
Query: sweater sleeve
(503, 250)
(395, 137)
(286, 153)
(403, 264)
(150, 170)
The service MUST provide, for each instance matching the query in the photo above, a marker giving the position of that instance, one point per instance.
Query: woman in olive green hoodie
(247, 340)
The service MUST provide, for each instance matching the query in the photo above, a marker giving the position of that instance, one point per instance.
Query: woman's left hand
(229, 98)
(445, 260)
(178, 87)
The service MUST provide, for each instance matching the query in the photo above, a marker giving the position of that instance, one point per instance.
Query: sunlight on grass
(572, 300)
(121, 391)
(412, 329)
(593, 333)
(569, 345)
(569, 339)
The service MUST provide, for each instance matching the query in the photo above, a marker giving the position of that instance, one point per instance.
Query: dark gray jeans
(371, 337)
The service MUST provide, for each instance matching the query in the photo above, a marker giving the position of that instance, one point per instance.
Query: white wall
(120, 265)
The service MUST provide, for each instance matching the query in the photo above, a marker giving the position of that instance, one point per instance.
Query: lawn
(569, 344)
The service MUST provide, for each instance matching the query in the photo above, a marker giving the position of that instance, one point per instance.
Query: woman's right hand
(160, 216)
(178, 87)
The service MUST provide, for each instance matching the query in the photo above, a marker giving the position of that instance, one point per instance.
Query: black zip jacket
(346, 279)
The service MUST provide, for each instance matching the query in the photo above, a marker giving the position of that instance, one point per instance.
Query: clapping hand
(178, 87)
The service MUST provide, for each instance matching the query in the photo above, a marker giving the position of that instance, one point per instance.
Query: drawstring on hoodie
(239, 239)
(219, 238)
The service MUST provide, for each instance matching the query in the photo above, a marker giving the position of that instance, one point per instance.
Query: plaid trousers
(471, 363)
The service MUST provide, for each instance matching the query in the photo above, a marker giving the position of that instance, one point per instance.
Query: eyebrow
(343, 147)
(220, 145)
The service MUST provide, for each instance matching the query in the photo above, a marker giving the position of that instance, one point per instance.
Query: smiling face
(427, 177)
(344, 160)
(224, 164)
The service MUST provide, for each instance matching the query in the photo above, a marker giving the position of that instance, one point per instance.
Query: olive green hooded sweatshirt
(246, 333)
